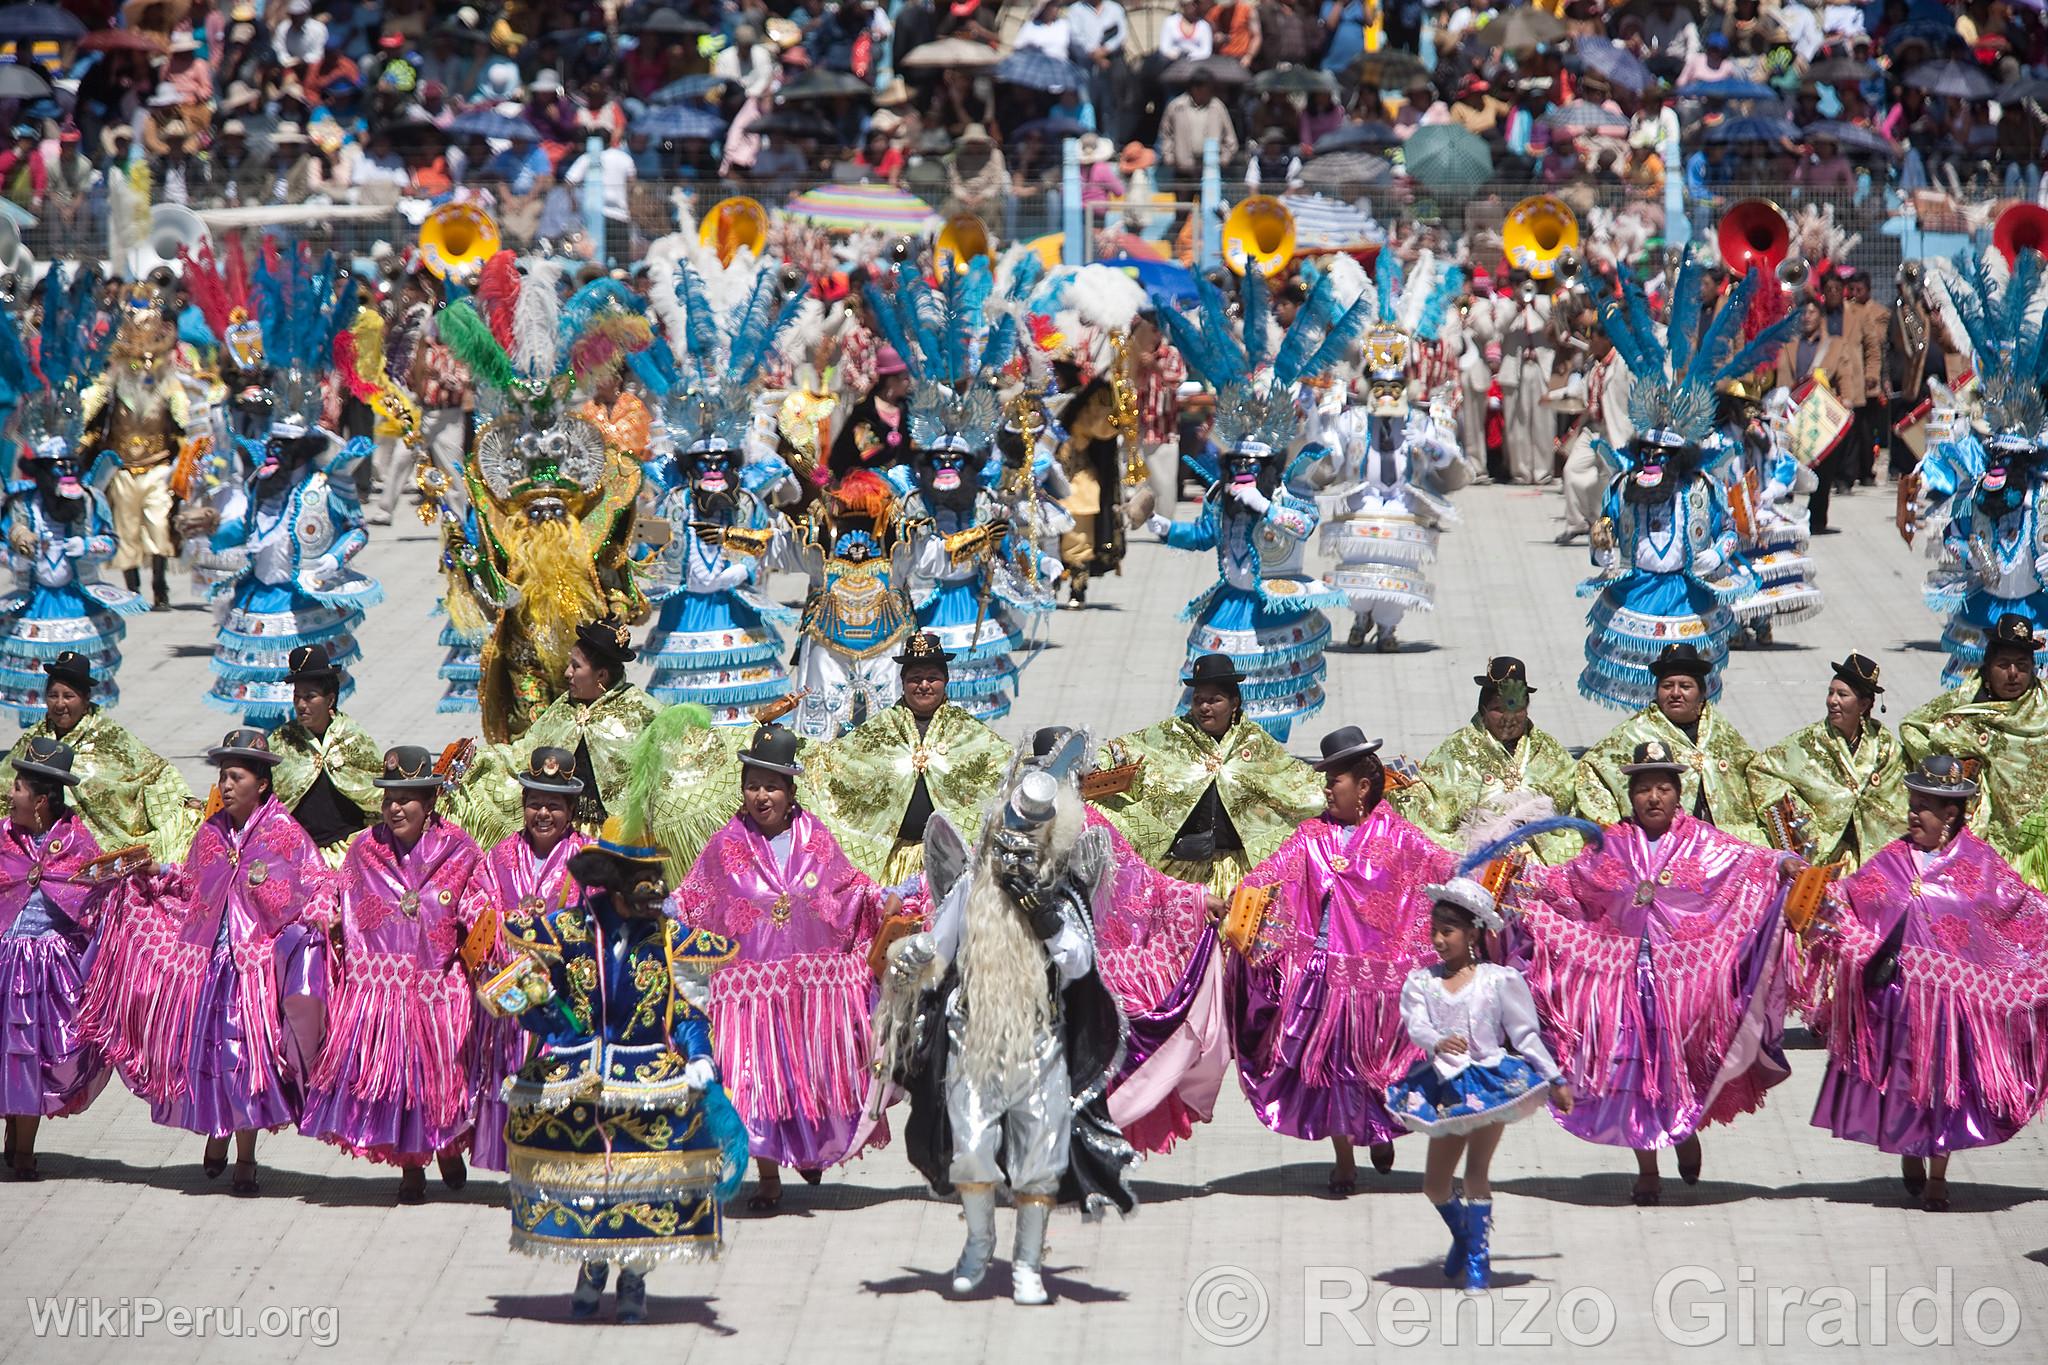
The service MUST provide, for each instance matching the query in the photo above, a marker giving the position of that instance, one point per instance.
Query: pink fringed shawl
(1372, 874)
(50, 861)
(789, 1017)
(1973, 962)
(402, 1007)
(142, 997)
(1699, 897)
(1149, 926)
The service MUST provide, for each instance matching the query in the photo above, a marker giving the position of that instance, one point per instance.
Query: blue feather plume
(883, 308)
(1347, 330)
(1761, 350)
(1254, 294)
(1389, 277)
(1308, 328)
(1687, 294)
(1704, 362)
(1480, 857)
(1449, 280)
(702, 329)
(1194, 347)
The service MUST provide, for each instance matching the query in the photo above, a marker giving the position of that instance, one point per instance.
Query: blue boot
(1452, 1211)
(1478, 1254)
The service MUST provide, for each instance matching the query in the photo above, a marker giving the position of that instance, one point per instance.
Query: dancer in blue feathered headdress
(717, 639)
(1385, 509)
(1272, 628)
(1983, 487)
(1669, 571)
(56, 526)
(287, 523)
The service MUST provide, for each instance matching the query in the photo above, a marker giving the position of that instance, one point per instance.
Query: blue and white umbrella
(681, 122)
(1036, 71)
(491, 123)
(1613, 63)
(1730, 89)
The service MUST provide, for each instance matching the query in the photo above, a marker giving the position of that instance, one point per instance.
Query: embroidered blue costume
(1669, 570)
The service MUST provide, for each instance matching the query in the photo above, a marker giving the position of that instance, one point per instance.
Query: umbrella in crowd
(1854, 137)
(1390, 69)
(1585, 117)
(1957, 80)
(1288, 79)
(1613, 63)
(1052, 126)
(491, 123)
(457, 31)
(824, 85)
(1224, 71)
(18, 82)
(121, 40)
(1036, 71)
(1730, 89)
(1940, 36)
(1445, 156)
(854, 208)
(1841, 71)
(1522, 31)
(681, 122)
(39, 23)
(948, 52)
(1347, 170)
(1325, 224)
(796, 123)
(666, 23)
(1167, 282)
(1355, 136)
(2025, 88)
(1754, 130)
(687, 89)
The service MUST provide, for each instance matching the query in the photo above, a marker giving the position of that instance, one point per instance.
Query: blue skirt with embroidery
(720, 651)
(1425, 1101)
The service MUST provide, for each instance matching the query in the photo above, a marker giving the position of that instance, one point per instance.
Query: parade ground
(1792, 1247)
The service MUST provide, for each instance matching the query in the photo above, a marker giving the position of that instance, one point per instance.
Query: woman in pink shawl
(527, 872)
(1935, 992)
(789, 1015)
(1315, 1003)
(1659, 966)
(394, 1082)
(209, 979)
(47, 906)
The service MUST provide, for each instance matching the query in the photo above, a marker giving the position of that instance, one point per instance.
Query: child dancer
(1465, 1014)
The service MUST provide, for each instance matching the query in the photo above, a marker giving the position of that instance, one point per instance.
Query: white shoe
(1027, 1287)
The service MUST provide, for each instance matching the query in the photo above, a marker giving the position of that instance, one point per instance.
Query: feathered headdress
(1671, 402)
(723, 321)
(69, 356)
(221, 291)
(1255, 408)
(301, 312)
(2004, 312)
(957, 333)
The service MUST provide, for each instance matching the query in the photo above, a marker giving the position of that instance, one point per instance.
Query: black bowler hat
(923, 647)
(1506, 676)
(44, 757)
(1047, 738)
(310, 663)
(408, 766)
(2012, 632)
(241, 747)
(1860, 674)
(774, 748)
(1680, 659)
(1343, 747)
(552, 770)
(1212, 668)
(72, 669)
(606, 642)
(1943, 776)
(1652, 756)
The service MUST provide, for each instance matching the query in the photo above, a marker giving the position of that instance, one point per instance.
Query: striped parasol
(1325, 224)
(851, 208)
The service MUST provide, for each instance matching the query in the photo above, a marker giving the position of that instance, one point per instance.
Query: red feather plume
(497, 295)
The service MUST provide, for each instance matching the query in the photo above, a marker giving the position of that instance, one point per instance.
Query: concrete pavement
(1236, 1218)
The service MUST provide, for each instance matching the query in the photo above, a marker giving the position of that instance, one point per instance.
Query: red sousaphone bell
(1754, 234)
(2023, 227)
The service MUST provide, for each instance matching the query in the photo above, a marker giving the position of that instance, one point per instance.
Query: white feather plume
(1347, 278)
(664, 258)
(537, 319)
(1415, 291)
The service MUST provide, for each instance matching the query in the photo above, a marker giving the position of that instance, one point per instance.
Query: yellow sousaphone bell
(1538, 233)
(456, 239)
(1259, 232)
(734, 223)
(960, 240)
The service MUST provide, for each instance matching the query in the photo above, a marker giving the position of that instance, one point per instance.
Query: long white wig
(1002, 964)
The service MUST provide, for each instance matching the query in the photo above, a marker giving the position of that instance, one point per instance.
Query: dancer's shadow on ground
(1299, 1179)
(801, 1201)
(662, 1311)
(191, 651)
(376, 1187)
(939, 1284)
(1612, 1187)
(1923, 647)
(1430, 1274)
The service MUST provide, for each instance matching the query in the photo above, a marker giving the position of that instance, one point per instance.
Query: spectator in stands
(1186, 36)
(614, 165)
(1191, 119)
(1344, 21)
(977, 178)
(1098, 35)
(1234, 26)
(1045, 32)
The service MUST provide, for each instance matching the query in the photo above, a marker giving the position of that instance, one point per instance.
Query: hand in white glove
(1157, 524)
(731, 576)
(2041, 566)
(74, 546)
(700, 1073)
(1775, 493)
(324, 565)
(1249, 495)
(1606, 560)
(1706, 564)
